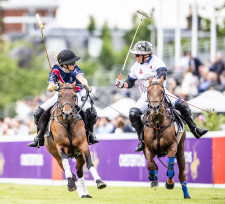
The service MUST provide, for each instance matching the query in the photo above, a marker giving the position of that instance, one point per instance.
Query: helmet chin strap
(143, 58)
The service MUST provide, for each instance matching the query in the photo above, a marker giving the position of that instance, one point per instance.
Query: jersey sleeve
(160, 64)
(77, 71)
(54, 70)
(132, 74)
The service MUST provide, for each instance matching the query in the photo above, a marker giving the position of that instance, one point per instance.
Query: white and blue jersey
(66, 77)
(142, 72)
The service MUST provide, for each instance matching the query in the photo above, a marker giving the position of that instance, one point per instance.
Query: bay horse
(160, 137)
(69, 139)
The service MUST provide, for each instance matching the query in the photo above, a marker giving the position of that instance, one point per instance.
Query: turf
(13, 193)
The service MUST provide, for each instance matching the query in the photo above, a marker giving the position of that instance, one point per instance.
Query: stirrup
(92, 138)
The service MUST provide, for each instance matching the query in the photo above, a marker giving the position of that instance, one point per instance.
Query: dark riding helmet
(67, 57)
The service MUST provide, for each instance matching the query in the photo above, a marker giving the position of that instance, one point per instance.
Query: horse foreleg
(171, 159)
(92, 169)
(152, 168)
(181, 165)
(66, 166)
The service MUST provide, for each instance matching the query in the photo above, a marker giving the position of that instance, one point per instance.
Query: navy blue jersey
(65, 77)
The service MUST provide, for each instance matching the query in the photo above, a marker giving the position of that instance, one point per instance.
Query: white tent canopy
(212, 101)
(123, 106)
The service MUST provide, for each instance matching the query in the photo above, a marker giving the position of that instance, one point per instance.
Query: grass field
(13, 193)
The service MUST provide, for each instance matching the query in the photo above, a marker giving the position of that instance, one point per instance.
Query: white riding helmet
(142, 48)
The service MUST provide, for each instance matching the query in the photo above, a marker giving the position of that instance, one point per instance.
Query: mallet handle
(41, 27)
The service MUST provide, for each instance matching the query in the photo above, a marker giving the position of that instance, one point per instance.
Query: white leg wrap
(94, 173)
(66, 167)
(49, 103)
(81, 187)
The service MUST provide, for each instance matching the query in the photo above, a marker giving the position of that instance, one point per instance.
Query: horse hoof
(154, 184)
(71, 185)
(100, 184)
(169, 186)
(88, 196)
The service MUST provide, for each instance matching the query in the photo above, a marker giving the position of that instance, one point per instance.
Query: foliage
(143, 32)
(17, 83)
(210, 122)
(92, 25)
(106, 57)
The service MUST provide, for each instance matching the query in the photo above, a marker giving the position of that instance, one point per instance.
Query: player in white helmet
(149, 65)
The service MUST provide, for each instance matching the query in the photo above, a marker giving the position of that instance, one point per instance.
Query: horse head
(156, 94)
(67, 100)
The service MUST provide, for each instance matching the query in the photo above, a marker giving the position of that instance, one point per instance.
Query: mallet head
(143, 13)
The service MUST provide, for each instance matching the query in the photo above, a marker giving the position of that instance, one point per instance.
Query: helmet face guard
(142, 48)
(67, 57)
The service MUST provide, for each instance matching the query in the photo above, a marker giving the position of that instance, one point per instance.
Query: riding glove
(119, 83)
(85, 86)
(55, 87)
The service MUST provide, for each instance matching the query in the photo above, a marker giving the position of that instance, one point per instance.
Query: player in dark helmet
(149, 65)
(66, 71)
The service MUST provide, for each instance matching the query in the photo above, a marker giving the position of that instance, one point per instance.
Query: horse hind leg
(68, 174)
(92, 169)
(181, 165)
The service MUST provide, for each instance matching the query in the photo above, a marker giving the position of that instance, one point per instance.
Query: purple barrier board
(115, 160)
(17, 160)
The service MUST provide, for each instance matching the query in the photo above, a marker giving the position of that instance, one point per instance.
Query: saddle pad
(179, 129)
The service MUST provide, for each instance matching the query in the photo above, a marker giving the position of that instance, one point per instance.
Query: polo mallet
(42, 27)
(143, 14)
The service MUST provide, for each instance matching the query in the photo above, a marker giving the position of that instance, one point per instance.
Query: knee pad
(91, 115)
(135, 116)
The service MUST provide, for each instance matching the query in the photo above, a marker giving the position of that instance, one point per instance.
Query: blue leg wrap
(153, 175)
(170, 172)
(184, 189)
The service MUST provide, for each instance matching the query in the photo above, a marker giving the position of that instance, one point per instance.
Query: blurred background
(189, 36)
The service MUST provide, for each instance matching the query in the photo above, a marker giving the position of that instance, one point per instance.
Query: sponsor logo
(151, 67)
(31, 159)
(132, 160)
(140, 72)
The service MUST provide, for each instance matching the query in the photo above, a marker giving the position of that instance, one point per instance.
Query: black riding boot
(187, 115)
(135, 119)
(39, 139)
(91, 120)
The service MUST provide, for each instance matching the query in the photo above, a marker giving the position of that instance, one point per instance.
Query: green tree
(92, 25)
(17, 83)
(106, 57)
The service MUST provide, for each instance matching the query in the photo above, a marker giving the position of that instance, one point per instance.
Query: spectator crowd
(189, 79)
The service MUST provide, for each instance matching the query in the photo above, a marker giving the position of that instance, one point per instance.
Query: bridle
(60, 106)
(161, 101)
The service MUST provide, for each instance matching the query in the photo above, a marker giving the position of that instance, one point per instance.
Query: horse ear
(150, 80)
(60, 84)
(161, 80)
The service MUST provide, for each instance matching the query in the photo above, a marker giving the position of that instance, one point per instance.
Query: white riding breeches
(142, 103)
(49, 103)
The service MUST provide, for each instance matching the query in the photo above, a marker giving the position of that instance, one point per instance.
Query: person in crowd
(104, 125)
(195, 63)
(149, 65)
(66, 71)
(218, 65)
